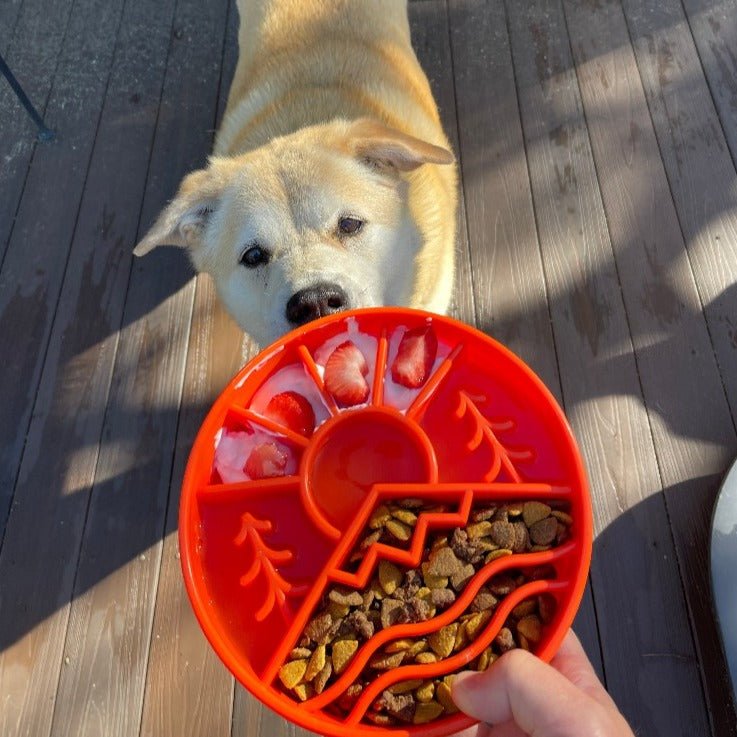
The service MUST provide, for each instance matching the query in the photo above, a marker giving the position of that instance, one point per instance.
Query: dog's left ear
(183, 221)
(387, 147)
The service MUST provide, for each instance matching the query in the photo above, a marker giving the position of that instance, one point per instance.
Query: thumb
(520, 688)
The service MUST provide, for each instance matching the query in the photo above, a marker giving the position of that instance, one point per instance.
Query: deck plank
(509, 285)
(692, 429)
(58, 465)
(36, 257)
(32, 53)
(108, 658)
(201, 701)
(713, 25)
(582, 275)
(189, 692)
(700, 171)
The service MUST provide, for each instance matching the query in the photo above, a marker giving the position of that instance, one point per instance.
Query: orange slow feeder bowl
(272, 516)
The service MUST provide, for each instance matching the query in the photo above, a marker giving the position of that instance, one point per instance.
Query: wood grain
(62, 445)
(101, 690)
(692, 430)
(509, 284)
(591, 325)
(38, 249)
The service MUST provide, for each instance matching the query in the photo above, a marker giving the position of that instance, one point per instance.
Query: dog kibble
(347, 618)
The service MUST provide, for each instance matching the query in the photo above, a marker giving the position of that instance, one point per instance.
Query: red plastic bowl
(258, 555)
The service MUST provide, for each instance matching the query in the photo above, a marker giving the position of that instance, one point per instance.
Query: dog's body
(331, 186)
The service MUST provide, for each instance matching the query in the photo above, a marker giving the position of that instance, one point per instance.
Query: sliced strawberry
(292, 410)
(344, 375)
(415, 357)
(266, 460)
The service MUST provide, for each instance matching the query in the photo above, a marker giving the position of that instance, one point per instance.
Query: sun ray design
(264, 560)
(485, 430)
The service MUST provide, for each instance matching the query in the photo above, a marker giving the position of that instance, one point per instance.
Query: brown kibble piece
(386, 662)
(483, 514)
(523, 642)
(442, 598)
(502, 585)
(318, 629)
(533, 512)
(505, 640)
(290, 674)
(443, 562)
(401, 706)
(461, 577)
(411, 503)
(502, 534)
(528, 606)
(484, 600)
(544, 531)
(531, 628)
(563, 517)
(300, 652)
(443, 640)
(443, 695)
(426, 657)
(322, 677)
(380, 720)
(547, 607)
(316, 663)
(393, 612)
(521, 537)
(425, 713)
(389, 576)
(343, 651)
(399, 530)
(360, 624)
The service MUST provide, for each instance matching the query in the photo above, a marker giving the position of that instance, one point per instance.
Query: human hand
(520, 696)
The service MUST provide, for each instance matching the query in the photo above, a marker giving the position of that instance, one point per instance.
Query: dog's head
(307, 225)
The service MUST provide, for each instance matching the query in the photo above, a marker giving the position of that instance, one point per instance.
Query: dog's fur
(329, 116)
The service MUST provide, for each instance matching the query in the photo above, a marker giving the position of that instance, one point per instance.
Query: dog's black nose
(316, 301)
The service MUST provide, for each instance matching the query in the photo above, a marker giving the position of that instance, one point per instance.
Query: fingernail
(462, 690)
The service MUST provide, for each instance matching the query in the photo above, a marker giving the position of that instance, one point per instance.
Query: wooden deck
(597, 239)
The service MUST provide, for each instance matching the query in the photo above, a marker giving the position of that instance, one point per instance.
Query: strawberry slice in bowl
(415, 358)
(345, 375)
(292, 410)
(266, 460)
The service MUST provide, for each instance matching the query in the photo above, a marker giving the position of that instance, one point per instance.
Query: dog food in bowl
(377, 502)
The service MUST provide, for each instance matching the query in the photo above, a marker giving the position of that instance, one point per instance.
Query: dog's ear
(183, 221)
(386, 147)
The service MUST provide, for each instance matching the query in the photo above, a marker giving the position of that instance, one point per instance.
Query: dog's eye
(349, 226)
(254, 256)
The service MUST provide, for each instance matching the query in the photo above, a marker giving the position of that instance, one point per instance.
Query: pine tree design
(485, 431)
(265, 560)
